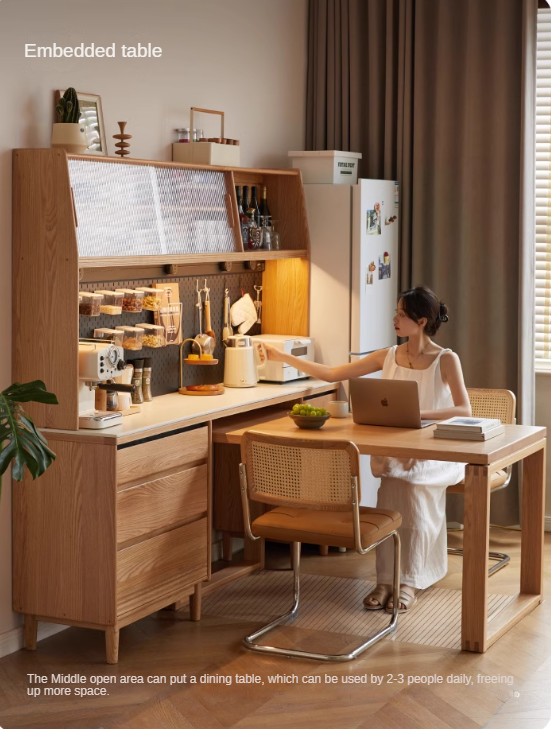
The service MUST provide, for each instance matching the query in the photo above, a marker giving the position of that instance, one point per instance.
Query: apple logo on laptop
(384, 402)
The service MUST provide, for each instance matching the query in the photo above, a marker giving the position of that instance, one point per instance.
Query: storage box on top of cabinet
(207, 153)
(329, 167)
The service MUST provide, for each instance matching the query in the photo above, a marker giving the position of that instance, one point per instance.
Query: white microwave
(302, 347)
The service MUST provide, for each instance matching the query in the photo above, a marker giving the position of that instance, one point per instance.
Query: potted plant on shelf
(20, 441)
(69, 133)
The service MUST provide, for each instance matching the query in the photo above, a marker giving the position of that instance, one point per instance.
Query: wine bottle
(245, 200)
(254, 231)
(254, 205)
(243, 219)
(264, 209)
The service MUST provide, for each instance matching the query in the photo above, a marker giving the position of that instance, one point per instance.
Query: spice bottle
(146, 380)
(137, 377)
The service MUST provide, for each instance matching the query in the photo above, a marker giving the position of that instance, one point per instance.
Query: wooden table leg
(31, 629)
(195, 604)
(532, 520)
(112, 645)
(476, 538)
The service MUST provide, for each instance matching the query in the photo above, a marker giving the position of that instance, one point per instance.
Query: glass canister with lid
(114, 335)
(154, 335)
(152, 298)
(132, 337)
(89, 304)
(112, 301)
(132, 300)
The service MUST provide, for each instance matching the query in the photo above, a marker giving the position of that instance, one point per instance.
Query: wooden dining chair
(315, 489)
(491, 404)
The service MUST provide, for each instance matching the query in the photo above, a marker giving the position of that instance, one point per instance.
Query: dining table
(517, 443)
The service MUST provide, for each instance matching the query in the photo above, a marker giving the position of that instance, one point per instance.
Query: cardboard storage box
(329, 167)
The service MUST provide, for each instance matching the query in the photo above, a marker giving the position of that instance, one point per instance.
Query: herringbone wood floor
(169, 644)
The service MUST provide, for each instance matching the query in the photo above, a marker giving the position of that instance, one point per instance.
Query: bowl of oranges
(307, 416)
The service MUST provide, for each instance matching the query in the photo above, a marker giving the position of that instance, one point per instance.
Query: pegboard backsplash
(165, 360)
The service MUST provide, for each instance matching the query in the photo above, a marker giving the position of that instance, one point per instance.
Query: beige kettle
(240, 366)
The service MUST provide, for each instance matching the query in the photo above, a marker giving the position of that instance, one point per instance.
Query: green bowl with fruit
(307, 416)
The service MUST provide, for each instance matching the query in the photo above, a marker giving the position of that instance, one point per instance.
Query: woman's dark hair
(420, 302)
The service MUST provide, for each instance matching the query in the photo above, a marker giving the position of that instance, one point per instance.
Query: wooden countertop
(401, 442)
(168, 412)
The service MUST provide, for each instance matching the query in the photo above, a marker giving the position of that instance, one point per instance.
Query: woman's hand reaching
(275, 354)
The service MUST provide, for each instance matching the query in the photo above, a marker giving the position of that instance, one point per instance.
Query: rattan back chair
(315, 489)
(488, 403)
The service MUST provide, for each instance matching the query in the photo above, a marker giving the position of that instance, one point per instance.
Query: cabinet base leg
(31, 629)
(195, 604)
(112, 645)
(227, 547)
(324, 550)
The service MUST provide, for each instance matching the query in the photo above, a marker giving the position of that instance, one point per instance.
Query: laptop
(386, 402)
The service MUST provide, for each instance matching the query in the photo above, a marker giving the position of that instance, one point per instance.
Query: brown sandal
(406, 599)
(381, 593)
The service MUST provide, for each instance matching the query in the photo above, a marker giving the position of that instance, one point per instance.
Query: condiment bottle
(137, 377)
(146, 380)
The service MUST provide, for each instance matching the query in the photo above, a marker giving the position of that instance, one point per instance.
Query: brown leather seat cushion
(498, 479)
(332, 528)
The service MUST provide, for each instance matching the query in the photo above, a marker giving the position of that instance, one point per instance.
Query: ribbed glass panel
(543, 190)
(143, 210)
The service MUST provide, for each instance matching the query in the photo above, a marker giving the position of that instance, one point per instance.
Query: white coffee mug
(338, 408)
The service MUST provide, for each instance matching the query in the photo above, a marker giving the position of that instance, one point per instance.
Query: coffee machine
(98, 361)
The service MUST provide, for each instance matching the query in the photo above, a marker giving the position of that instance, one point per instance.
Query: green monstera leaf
(20, 441)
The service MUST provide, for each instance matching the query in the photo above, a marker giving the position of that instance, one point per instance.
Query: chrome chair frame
(249, 641)
(501, 559)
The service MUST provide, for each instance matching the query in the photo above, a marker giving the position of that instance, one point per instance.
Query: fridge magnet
(384, 266)
(374, 220)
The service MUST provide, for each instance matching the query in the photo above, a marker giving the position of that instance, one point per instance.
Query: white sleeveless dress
(417, 489)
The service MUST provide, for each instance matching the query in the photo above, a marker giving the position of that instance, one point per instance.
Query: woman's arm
(365, 366)
(452, 375)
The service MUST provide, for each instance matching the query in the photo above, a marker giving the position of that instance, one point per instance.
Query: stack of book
(469, 428)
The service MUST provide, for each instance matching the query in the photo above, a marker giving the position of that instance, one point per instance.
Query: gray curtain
(439, 94)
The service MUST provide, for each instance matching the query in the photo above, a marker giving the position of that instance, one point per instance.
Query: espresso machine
(99, 362)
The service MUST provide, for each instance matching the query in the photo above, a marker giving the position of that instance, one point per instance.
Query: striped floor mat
(334, 604)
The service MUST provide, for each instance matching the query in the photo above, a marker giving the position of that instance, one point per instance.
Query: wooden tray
(185, 391)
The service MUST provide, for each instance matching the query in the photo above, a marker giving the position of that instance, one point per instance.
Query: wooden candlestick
(122, 144)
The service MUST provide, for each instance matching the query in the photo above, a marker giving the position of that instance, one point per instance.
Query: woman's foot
(407, 597)
(377, 598)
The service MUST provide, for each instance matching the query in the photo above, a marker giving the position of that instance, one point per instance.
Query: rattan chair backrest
(301, 473)
(493, 404)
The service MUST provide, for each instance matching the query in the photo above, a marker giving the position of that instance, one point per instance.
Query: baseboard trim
(14, 640)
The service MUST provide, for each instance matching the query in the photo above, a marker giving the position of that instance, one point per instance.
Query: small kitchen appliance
(271, 371)
(240, 368)
(98, 361)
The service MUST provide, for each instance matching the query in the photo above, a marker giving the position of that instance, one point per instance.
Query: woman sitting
(415, 488)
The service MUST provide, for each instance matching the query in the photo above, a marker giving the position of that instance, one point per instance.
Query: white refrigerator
(354, 277)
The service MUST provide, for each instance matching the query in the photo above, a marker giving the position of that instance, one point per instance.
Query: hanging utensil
(258, 304)
(208, 325)
(206, 343)
(227, 331)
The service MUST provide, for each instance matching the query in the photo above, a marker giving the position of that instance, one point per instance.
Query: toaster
(271, 371)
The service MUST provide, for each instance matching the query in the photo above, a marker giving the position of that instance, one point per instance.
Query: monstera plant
(20, 442)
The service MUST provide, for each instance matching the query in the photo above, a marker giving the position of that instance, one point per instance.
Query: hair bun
(443, 313)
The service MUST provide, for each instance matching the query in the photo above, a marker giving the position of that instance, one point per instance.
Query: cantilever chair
(315, 487)
(491, 404)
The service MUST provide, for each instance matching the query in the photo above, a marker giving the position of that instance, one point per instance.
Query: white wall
(246, 57)
(543, 418)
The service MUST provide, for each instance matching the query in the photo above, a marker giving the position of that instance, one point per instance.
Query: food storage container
(112, 302)
(152, 298)
(113, 335)
(132, 300)
(154, 335)
(89, 304)
(328, 166)
(132, 337)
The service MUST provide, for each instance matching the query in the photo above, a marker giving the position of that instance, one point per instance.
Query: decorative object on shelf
(20, 442)
(69, 133)
(122, 145)
(91, 117)
(197, 389)
(212, 151)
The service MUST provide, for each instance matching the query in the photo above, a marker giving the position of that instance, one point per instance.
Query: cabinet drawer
(161, 504)
(137, 463)
(161, 566)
